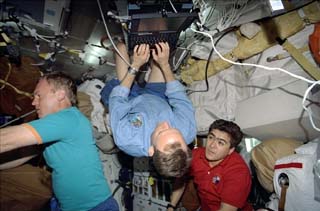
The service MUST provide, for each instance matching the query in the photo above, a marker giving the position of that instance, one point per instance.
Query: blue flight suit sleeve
(184, 115)
(124, 134)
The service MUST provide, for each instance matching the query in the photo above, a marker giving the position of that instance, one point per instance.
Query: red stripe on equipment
(288, 165)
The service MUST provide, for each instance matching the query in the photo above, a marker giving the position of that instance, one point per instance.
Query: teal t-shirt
(77, 175)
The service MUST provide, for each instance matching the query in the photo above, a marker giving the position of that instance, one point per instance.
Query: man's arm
(118, 103)
(184, 114)
(227, 207)
(141, 54)
(19, 156)
(15, 137)
(161, 56)
(177, 97)
(15, 163)
(177, 193)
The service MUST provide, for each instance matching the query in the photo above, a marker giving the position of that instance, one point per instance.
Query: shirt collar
(222, 163)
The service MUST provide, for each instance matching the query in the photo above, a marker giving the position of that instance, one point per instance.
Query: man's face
(45, 99)
(164, 134)
(217, 146)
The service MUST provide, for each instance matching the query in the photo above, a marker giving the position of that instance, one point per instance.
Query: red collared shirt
(228, 182)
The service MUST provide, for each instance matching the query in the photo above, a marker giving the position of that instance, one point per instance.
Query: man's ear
(151, 151)
(231, 150)
(61, 94)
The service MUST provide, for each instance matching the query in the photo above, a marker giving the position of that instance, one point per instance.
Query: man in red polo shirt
(220, 174)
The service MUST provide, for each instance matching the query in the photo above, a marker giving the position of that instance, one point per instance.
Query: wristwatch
(170, 205)
(132, 70)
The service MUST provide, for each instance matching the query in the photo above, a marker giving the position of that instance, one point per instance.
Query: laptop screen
(159, 24)
(156, 22)
(151, 28)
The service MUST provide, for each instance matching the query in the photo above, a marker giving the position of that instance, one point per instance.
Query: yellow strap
(301, 59)
(17, 90)
(76, 52)
(304, 49)
(286, 54)
(7, 76)
(6, 38)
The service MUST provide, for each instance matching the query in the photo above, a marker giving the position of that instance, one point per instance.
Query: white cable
(210, 13)
(203, 8)
(111, 64)
(182, 56)
(47, 36)
(174, 9)
(177, 64)
(270, 68)
(111, 14)
(203, 3)
(44, 39)
(19, 117)
(228, 16)
(109, 36)
(34, 34)
(255, 65)
(308, 110)
(81, 55)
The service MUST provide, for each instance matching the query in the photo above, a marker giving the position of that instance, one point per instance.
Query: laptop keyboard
(152, 39)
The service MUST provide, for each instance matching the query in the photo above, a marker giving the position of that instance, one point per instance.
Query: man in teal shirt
(77, 175)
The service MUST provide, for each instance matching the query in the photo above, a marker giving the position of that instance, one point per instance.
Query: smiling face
(163, 135)
(217, 146)
(45, 99)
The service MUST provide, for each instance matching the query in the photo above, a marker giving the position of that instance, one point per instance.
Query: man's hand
(141, 55)
(170, 209)
(161, 54)
(161, 57)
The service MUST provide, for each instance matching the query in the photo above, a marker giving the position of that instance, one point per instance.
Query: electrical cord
(205, 76)
(207, 64)
(16, 119)
(108, 34)
(30, 95)
(174, 9)
(52, 40)
(7, 76)
(120, 18)
(314, 83)
(182, 56)
(121, 185)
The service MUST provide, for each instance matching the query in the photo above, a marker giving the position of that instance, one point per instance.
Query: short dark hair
(229, 127)
(61, 80)
(175, 162)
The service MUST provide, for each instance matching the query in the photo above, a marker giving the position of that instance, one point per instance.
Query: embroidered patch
(136, 121)
(216, 179)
